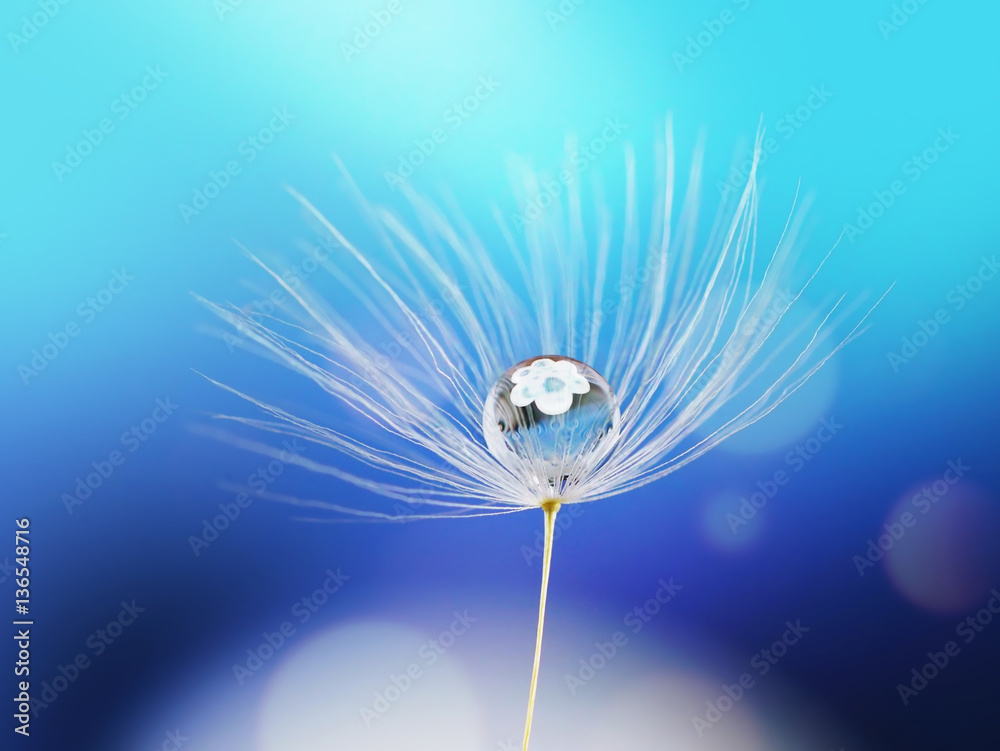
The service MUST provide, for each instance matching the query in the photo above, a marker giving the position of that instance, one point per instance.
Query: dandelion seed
(522, 393)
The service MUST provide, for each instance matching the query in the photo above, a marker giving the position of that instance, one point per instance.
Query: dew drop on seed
(553, 415)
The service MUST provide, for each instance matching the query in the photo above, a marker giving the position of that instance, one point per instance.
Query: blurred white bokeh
(393, 683)
(370, 687)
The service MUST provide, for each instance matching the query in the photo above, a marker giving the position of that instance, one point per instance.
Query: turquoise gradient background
(225, 70)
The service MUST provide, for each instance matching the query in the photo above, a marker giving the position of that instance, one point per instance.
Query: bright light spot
(413, 697)
(639, 694)
(654, 714)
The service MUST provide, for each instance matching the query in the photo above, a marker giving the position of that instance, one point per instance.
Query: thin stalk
(551, 508)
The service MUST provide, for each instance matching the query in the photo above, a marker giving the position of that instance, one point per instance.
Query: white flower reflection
(550, 385)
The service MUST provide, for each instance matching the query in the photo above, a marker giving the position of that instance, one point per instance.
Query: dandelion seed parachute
(525, 391)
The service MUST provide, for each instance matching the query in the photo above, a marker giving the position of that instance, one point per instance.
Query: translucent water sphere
(552, 416)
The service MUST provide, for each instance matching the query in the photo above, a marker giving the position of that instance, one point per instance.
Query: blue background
(63, 234)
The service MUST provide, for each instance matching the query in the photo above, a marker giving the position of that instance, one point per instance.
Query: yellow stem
(551, 508)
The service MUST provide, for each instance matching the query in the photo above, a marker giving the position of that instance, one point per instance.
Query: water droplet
(551, 417)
